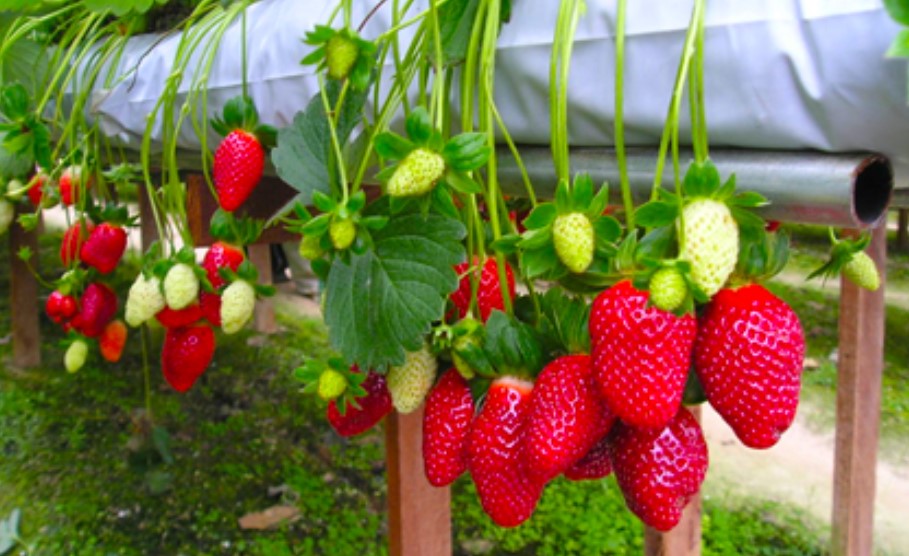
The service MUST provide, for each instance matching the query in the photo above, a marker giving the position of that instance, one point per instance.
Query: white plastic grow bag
(780, 74)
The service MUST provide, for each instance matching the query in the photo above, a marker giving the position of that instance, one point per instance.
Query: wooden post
(861, 358)
(685, 538)
(24, 299)
(419, 514)
(260, 257)
(902, 229)
(147, 227)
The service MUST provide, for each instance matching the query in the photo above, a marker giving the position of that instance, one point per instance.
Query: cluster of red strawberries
(619, 409)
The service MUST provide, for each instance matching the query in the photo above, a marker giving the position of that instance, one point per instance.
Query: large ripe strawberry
(112, 340)
(239, 162)
(446, 424)
(104, 247)
(594, 465)
(73, 239)
(170, 318)
(567, 417)
(375, 405)
(98, 307)
(641, 355)
(748, 357)
(489, 291)
(573, 238)
(495, 453)
(409, 382)
(711, 238)
(219, 255)
(187, 352)
(659, 469)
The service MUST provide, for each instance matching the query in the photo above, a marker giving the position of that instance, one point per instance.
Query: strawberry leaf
(392, 146)
(512, 345)
(419, 126)
(381, 303)
(656, 213)
(542, 216)
(701, 180)
(466, 152)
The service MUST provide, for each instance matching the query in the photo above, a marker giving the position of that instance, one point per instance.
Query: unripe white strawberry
(75, 355)
(7, 211)
(573, 238)
(144, 300)
(181, 286)
(861, 271)
(668, 289)
(238, 303)
(711, 238)
(417, 174)
(409, 383)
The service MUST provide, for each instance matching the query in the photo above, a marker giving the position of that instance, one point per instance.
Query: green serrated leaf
(563, 197)
(599, 202)
(750, 199)
(540, 217)
(898, 10)
(456, 21)
(607, 229)
(656, 214)
(656, 244)
(419, 125)
(380, 304)
(899, 48)
(392, 146)
(323, 202)
(582, 192)
(539, 262)
(511, 345)
(467, 151)
(462, 182)
(701, 180)
(14, 102)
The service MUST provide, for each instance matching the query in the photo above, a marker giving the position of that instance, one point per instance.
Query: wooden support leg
(148, 230)
(685, 538)
(24, 300)
(902, 229)
(419, 514)
(861, 356)
(260, 257)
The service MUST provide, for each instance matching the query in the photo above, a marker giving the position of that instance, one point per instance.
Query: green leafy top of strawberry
(248, 273)
(227, 227)
(343, 53)
(240, 113)
(538, 244)
(461, 154)
(842, 251)
(761, 258)
(187, 256)
(311, 371)
(23, 131)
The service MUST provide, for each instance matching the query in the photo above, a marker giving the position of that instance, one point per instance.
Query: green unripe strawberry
(340, 56)
(668, 289)
(75, 355)
(7, 212)
(331, 384)
(410, 382)
(238, 303)
(417, 174)
(144, 300)
(711, 238)
(861, 271)
(342, 233)
(310, 247)
(181, 286)
(573, 238)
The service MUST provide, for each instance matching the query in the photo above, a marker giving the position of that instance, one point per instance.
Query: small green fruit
(417, 174)
(573, 238)
(342, 233)
(331, 384)
(75, 356)
(861, 271)
(340, 56)
(668, 289)
(310, 247)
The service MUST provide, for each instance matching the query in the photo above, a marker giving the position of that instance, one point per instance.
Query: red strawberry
(170, 318)
(187, 352)
(446, 424)
(219, 255)
(659, 470)
(99, 305)
(113, 340)
(375, 405)
(594, 465)
(36, 189)
(104, 247)
(641, 355)
(495, 454)
(489, 292)
(73, 239)
(748, 356)
(70, 182)
(567, 417)
(60, 308)
(239, 161)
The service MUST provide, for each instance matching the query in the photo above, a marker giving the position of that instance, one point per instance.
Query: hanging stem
(627, 200)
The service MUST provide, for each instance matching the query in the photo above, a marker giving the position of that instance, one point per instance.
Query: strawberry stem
(627, 200)
(333, 134)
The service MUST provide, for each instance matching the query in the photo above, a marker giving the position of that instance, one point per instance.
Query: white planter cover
(780, 74)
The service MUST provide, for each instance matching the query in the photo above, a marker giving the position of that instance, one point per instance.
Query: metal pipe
(850, 190)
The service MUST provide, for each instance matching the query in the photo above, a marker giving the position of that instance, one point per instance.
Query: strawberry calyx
(246, 272)
(342, 54)
(313, 374)
(227, 227)
(847, 256)
(240, 113)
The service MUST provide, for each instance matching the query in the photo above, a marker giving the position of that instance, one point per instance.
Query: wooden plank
(902, 229)
(260, 256)
(861, 357)
(419, 514)
(147, 228)
(24, 306)
(685, 538)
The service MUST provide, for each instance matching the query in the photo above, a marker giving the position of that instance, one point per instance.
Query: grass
(80, 458)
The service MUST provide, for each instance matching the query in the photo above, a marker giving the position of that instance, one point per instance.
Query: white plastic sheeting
(780, 74)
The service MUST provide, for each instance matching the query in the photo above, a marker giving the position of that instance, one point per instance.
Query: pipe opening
(872, 187)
